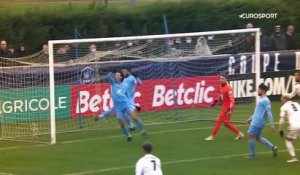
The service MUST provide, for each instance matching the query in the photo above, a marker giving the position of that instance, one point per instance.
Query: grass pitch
(181, 147)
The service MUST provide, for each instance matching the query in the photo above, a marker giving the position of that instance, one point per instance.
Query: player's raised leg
(128, 121)
(105, 114)
(138, 122)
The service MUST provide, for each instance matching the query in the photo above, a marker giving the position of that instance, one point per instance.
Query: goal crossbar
(51, 44)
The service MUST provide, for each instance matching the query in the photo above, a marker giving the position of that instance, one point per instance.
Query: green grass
(181, 148)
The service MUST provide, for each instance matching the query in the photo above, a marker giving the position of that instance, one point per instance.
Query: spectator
(45, 50)
(93, 48)
(278, 40)
(171, 42)
(67, 48)
(22, 51)
(11, 51)
(61, 50)
(62, 53)
(188, 40)
(249, 40)
(249, 25)
(291, 43)
(178, 43)
(136, 42)
(149, 41)
(202, 48)
(188, 45)
(265, 43)
(210, 41)
(129, 44)
(249, 43)
(3, 49)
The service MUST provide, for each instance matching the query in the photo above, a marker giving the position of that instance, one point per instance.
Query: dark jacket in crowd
(278, 42)
(291, 42)
(3, 53)
(20, 53)
(265, 44)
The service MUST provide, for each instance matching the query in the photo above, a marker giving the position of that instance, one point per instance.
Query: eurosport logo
(258, 16)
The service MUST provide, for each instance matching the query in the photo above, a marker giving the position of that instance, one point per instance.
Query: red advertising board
(151, 95)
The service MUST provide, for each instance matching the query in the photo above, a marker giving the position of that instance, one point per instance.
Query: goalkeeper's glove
(228, 113)
(138, 108)
(281, 133)
(213, 104)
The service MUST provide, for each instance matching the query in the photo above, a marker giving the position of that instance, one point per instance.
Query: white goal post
(53, 43)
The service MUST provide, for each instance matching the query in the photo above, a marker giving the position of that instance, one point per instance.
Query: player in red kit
(226, 97)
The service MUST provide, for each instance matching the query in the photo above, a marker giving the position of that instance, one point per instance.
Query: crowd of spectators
(10, 51)
(278, 40)
(204, 46)
(240, 43)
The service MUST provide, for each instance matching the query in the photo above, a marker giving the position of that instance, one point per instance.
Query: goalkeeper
(224, 117)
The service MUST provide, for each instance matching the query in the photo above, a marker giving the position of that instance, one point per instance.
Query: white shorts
(293, 133)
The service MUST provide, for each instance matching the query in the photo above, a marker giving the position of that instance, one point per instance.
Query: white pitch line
(109, 137)
(28, 146)
(119, 136)
(1, 173)
(172, 162)
(150, 133)
(104, 138)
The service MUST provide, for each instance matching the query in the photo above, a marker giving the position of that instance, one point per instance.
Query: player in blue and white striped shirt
(258, 121)
(122, 103)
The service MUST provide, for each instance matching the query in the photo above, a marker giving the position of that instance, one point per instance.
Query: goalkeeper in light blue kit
(122, 103)
(130, 83)
(258, 121)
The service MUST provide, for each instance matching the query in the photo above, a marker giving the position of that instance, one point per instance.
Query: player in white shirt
(148, 164)
(296, 89)
(290, 112)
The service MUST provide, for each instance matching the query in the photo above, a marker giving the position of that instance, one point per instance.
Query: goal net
(43, 95)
